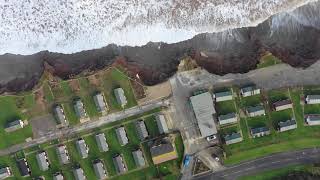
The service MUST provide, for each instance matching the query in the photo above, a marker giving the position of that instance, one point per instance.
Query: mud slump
(295, 41)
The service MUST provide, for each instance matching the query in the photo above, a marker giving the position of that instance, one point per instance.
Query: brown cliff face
(233, 51)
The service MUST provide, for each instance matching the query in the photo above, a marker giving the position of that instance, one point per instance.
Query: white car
(212, 137)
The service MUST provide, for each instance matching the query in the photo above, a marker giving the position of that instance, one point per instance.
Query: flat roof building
(141, 129)
(312, 119)
(100, 102)
(119, 164)
(79, 109)
(24, 167)
(5, 172)
(120, 96)
(282, 105)
(259, 131)
(287, 125)
(204, 110)
(233, 138)
(138, 158)
(78, 173)
(223, 96)
(63, 155)
(59, 115)
(42, 160)
(162, 124)
(228, 118)
(14, 125)
(313, 99)
(162, 151)
(82, 148)
(122, 136)
(102, 142)
(58, 176)
(99, 169)
(249, 91)
(255, 111)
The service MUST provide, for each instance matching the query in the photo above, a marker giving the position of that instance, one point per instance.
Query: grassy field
(225, 107)
(276, 142)
(10, 112)
(268, 60)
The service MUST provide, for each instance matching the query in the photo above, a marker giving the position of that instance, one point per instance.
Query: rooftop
(122, 135)
(203, 108)
(227, 116)
(80, 111)
(82, 148)
(23, 167)
(163, 151)
(287, 123)
(42, 161)
(259, 130)
(120, 96)
(102, 142)
(99, 101)
(282, 102)
(99, 169)
(59, 114)
(138, 158)
(119, 164)
(255, 108)
(232, 136)
(79, 174)
(222, 94)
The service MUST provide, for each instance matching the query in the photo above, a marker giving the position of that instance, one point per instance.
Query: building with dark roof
(82, 148)
(5, 172)
(122, 136)
(58, 176)
(63, 154)
(79, 109)
(59, 115)
(287, 125)
(24, 167)
(255, 111)
(14, 125)
(313, 99)
(100, 102)
(162, 151)
(282, 105)
(102, 142)
(79, 173)
(312, 119)
(249, 91)
(119, 164)
(162, 123)
(223, 96)
(259, 131)
(99, 169)
(228, 118)
(43, 161)
(138, 158)
(141, 129)
(233, 138)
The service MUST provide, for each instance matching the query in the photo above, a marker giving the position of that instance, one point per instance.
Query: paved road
(88, 125)
(306, 156)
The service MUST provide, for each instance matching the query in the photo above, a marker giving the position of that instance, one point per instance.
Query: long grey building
(282, 105)
(79, 109)
(162, 124)
(100, 102)
(78, 173)
(141, 129)
(233, 138)
(122, 136)
(138, 158)
(43, 161)
(102, 142)
(257, 110)
(24, 167)
(119, 164)
(313, 99)
(63, 155)
(14, 125)
(58, 176)
(249, 91)
(312, 119)
(59, 115)
(259, 131)
(99, 169)
(5, 172)
(287, 125)
(120, 96)
(228, 118)
(223, 96)
(82, 148)
(204, 110)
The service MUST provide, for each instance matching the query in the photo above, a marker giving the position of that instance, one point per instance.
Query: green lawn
(250, 101)
(10, 112)
(48, 93)
(86, 93)
(268, 60)
(151, 125)
(277, 95)
(276, 142)
(312, 109)
(225, 107)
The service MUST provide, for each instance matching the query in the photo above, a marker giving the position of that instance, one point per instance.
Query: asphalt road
(306, 156)
(69, 131)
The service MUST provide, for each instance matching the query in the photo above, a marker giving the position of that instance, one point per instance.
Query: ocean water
(68, 26)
